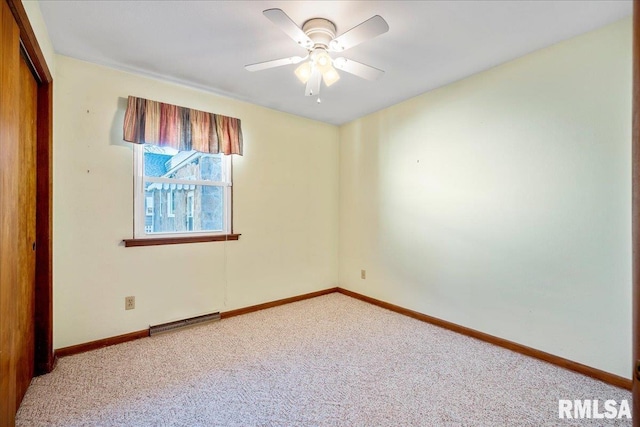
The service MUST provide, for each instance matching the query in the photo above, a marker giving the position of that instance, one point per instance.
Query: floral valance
(153, 122)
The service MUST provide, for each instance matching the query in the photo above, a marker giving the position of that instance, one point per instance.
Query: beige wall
(502, 202)
(285, 207)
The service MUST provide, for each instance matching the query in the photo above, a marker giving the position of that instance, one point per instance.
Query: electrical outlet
(363, 274)
(129, 303)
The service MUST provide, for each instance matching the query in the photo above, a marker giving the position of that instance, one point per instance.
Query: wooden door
(25, 302)
(9, 155)
(25, 181)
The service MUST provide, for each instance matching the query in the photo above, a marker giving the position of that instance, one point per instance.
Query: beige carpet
(328, 361)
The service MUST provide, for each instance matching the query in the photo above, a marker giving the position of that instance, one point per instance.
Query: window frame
(139, 231)
(171, 204)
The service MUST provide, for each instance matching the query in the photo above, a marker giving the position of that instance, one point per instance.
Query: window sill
(128, 243)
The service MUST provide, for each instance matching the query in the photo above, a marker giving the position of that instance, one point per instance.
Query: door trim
(635, 215)
(44, 355)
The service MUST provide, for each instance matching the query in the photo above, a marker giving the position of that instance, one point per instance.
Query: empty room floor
(327, 361)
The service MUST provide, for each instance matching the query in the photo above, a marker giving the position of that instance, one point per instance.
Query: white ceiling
(206, 44)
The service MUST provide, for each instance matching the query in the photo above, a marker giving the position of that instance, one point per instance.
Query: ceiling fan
(318, 36)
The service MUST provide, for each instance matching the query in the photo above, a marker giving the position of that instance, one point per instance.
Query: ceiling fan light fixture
(330, 76)
(303, 72)
(322, 60)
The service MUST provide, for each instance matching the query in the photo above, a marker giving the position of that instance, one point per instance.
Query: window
(190, 208)
(181, 193)
(171, 204)
(149, 206)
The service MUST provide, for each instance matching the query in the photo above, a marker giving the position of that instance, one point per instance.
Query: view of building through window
(184, 191)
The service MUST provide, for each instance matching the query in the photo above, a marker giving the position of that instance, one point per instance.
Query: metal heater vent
(179, 324)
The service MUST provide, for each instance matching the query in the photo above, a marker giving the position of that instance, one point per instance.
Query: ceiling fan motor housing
(321, 31)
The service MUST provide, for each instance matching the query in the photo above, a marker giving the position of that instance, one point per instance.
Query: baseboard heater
(180, 324)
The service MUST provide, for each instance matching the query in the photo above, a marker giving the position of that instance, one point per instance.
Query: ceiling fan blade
(369, 29)
(358, 69)
(313, 84)
(282, 20)
(274, 63)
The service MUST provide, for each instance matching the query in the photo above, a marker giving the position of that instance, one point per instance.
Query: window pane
(171, 205)
(182, 208)
(169, 163)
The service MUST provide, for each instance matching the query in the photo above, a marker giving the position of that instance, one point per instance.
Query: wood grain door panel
(25, 303)
(26, 105)
(9, 156)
